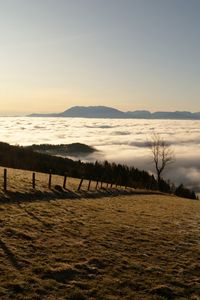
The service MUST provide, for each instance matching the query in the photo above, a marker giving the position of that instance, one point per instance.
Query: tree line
(21, 158)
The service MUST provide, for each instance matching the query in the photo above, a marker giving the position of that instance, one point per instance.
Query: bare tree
(162, 153)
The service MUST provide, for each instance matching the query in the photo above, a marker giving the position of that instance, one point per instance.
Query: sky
(128, 54)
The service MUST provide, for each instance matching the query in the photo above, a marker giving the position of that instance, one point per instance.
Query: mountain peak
(92, 112)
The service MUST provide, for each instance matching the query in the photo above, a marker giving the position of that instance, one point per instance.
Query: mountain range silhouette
(113, 113)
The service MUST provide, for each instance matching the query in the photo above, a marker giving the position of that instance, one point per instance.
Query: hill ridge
(110, 112)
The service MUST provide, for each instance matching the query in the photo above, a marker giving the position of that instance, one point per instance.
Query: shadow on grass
(35, 217)
(10, 255)
(59, 193)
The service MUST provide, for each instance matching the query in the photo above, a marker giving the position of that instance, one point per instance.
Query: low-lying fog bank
(118, 140)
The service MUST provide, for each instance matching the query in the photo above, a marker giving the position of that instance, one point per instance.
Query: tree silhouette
(162, 155)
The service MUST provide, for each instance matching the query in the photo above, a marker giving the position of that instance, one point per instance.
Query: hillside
(19, 157)
(125, 247)
(64, 150)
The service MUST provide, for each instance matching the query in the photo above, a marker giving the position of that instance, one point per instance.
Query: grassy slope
(125, 247)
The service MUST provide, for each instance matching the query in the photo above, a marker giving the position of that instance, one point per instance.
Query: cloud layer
(123, 141)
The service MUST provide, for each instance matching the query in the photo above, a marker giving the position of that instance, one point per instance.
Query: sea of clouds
(123, 141)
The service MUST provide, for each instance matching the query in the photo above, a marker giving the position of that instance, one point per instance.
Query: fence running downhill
(15, 180)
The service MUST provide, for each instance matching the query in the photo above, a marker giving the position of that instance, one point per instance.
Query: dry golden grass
(124, 247)
(21, 181)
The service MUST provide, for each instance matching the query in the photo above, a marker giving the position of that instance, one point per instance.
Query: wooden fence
(33, 182)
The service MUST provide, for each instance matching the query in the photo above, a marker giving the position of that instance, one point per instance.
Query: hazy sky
(131, 54)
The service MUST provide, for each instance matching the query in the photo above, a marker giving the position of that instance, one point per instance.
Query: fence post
(111, 185)
(89, 184)
(33, 181)
(107, 185)
(50, 177)
(97, 185)
(101, 184)
(5, 180)
(64, 181)
(80, 184)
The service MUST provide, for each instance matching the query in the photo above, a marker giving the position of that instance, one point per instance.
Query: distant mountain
(139, 114)
(176, 115)
(86, 112)
(185, 115)
(93, 111)
(112, 113)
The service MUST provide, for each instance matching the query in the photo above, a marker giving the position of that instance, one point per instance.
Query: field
(110, 246)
